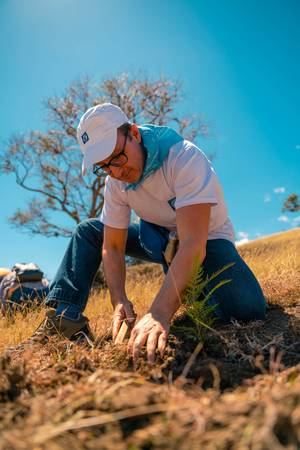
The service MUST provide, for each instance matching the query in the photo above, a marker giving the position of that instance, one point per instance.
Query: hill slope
(242, 390)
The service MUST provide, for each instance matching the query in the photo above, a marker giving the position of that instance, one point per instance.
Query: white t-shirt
(185, 178)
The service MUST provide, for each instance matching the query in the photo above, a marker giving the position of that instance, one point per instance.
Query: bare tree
(48, 164)
(292, 203)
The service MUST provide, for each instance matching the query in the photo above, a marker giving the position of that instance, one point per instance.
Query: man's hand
(123, 312)
(149, 331)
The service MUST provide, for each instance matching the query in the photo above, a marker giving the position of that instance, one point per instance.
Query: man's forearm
(169, 297)
(115, 274)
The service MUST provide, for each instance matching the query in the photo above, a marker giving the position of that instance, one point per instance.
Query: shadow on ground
(235, 352)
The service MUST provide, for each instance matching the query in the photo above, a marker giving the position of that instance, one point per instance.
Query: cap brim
(99, 151)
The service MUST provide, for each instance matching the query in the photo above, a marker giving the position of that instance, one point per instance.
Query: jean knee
(90, 230)
(232, 303)
(251, 308)
(153, 240)
(87, 226)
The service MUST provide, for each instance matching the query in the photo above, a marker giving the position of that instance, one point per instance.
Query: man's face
(132, 157)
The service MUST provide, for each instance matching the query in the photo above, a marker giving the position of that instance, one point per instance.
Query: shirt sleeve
(193, 178)
(116, 211)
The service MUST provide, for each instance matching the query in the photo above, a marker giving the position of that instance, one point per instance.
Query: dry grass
(241, 391)
(276, 261)
(143, 281)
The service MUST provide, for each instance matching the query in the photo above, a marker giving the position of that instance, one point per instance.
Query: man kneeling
(171, 186)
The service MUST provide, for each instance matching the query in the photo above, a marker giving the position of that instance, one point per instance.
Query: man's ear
(134, 131)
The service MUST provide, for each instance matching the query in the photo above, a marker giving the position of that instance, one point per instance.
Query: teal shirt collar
(157, 141)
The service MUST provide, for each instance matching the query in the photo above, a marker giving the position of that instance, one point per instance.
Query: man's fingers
(117, 321)
(138, 343)
(162, 342)
(123, 312)
(133, 335)
(151, 346)
(150, 332)
(137, 346)
(130, 314)
(130, 319)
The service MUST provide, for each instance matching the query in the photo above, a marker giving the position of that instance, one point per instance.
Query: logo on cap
(85, 137)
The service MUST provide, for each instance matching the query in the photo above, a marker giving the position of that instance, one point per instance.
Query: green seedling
(199, 311)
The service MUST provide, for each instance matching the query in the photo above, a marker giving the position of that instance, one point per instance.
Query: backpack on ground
(22, 287)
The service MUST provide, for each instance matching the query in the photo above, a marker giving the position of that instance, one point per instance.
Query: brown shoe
(78, 331)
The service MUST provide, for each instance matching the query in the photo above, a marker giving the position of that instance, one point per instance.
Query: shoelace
(87, 338)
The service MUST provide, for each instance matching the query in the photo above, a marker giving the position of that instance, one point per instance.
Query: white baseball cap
(97, 133)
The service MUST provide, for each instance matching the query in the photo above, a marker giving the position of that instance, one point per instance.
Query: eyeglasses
(118, 160)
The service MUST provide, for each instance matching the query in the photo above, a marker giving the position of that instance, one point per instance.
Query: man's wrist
(117, 300)
(164, 307)
(161, 313)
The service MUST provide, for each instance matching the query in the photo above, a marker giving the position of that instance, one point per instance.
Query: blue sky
(239, 66)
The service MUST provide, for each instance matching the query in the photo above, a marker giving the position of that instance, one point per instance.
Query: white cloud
(243, 234)
(296, 220)
(283, 219)
(279, 190)
(241, 241)
(267, 198)
(244, 237)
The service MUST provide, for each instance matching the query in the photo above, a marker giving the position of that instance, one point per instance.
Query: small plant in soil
(196, 302)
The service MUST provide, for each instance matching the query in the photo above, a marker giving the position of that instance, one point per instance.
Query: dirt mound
(239, 389)
(236, 392)
(100, 408)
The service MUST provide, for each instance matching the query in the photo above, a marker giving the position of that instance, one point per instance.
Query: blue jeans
(241, 299)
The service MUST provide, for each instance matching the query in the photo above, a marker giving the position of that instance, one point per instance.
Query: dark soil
(239, 351)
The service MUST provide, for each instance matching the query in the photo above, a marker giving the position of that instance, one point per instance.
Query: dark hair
(125, 128)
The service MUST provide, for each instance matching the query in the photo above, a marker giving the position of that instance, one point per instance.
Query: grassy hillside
(242, 390)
